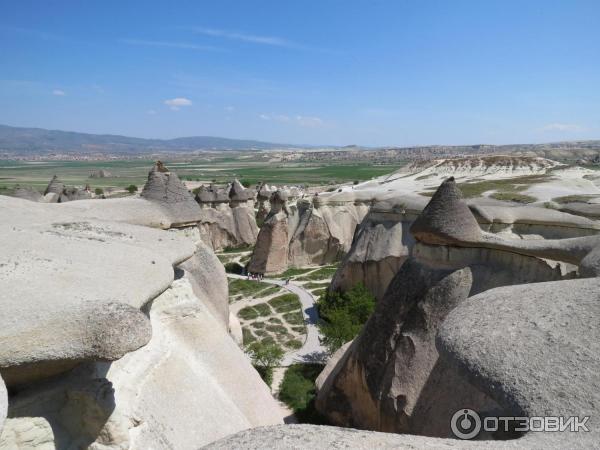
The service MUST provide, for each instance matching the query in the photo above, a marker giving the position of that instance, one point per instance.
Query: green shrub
(233, 267)
(98, 191)
(298, 392)
(131, 188)
(343, 315)
(265, 356)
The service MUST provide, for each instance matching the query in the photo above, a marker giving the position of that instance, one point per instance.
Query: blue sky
(315, 72)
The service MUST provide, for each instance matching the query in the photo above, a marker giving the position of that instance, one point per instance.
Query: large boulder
(76, 288)
(391, 378)
(190, 385)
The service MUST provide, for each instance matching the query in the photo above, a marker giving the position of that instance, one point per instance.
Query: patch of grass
(313, 285)
(248, 313)
(300, 329)
(269, 291)
(247, 288)
(322, 274)
(574, 199)
(248, 337)
(476, 188)
(263, 309)
(294, 318)
(299, 393)
(293, 272)
(277, 329)
(318, 292)
(285, 303)
(240, 249)
(257, 325)
(274, 320)
(293, 344)
(513, 197)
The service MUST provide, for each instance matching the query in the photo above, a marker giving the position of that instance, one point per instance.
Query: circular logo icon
(465, 424)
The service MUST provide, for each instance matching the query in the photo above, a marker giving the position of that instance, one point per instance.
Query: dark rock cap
(55, 186)
(446, 219)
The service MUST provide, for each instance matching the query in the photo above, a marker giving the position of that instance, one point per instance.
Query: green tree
(99, 191)
(265, 356)
(132, 188)
(343, 315)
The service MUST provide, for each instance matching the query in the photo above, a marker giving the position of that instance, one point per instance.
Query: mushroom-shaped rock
(446, 219)
(166, 189)
(55, 186)
(239, 193)
(72, 193)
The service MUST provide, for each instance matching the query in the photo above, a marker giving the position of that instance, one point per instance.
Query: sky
(336, 72)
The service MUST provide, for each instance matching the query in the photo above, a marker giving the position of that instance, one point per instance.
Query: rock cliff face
(227, 216)
(308, 231)
(115, 334)
(382, 243)
(445, 336)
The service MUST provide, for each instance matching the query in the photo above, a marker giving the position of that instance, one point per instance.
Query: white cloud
(169, 44)
(570, 127)
(303, 121)
(176, 103)
(252, 38)
(59, 92)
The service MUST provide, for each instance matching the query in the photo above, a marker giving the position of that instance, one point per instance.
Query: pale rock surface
(59, 275)
(227, 216)
(190, 385)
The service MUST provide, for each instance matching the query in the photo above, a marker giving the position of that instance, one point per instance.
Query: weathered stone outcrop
(391, 378)
(305, 232)
(382, 242)
(433, 347)
(116, 335)
(227, 216)
(166, 190)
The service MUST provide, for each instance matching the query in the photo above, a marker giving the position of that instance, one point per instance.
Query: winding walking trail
(312, 350)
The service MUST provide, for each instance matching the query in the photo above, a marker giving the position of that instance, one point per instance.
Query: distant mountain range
(24, 141)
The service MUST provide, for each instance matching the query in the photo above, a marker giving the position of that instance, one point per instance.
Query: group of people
(255, 276)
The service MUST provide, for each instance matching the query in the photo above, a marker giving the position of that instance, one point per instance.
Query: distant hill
(31, 141)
